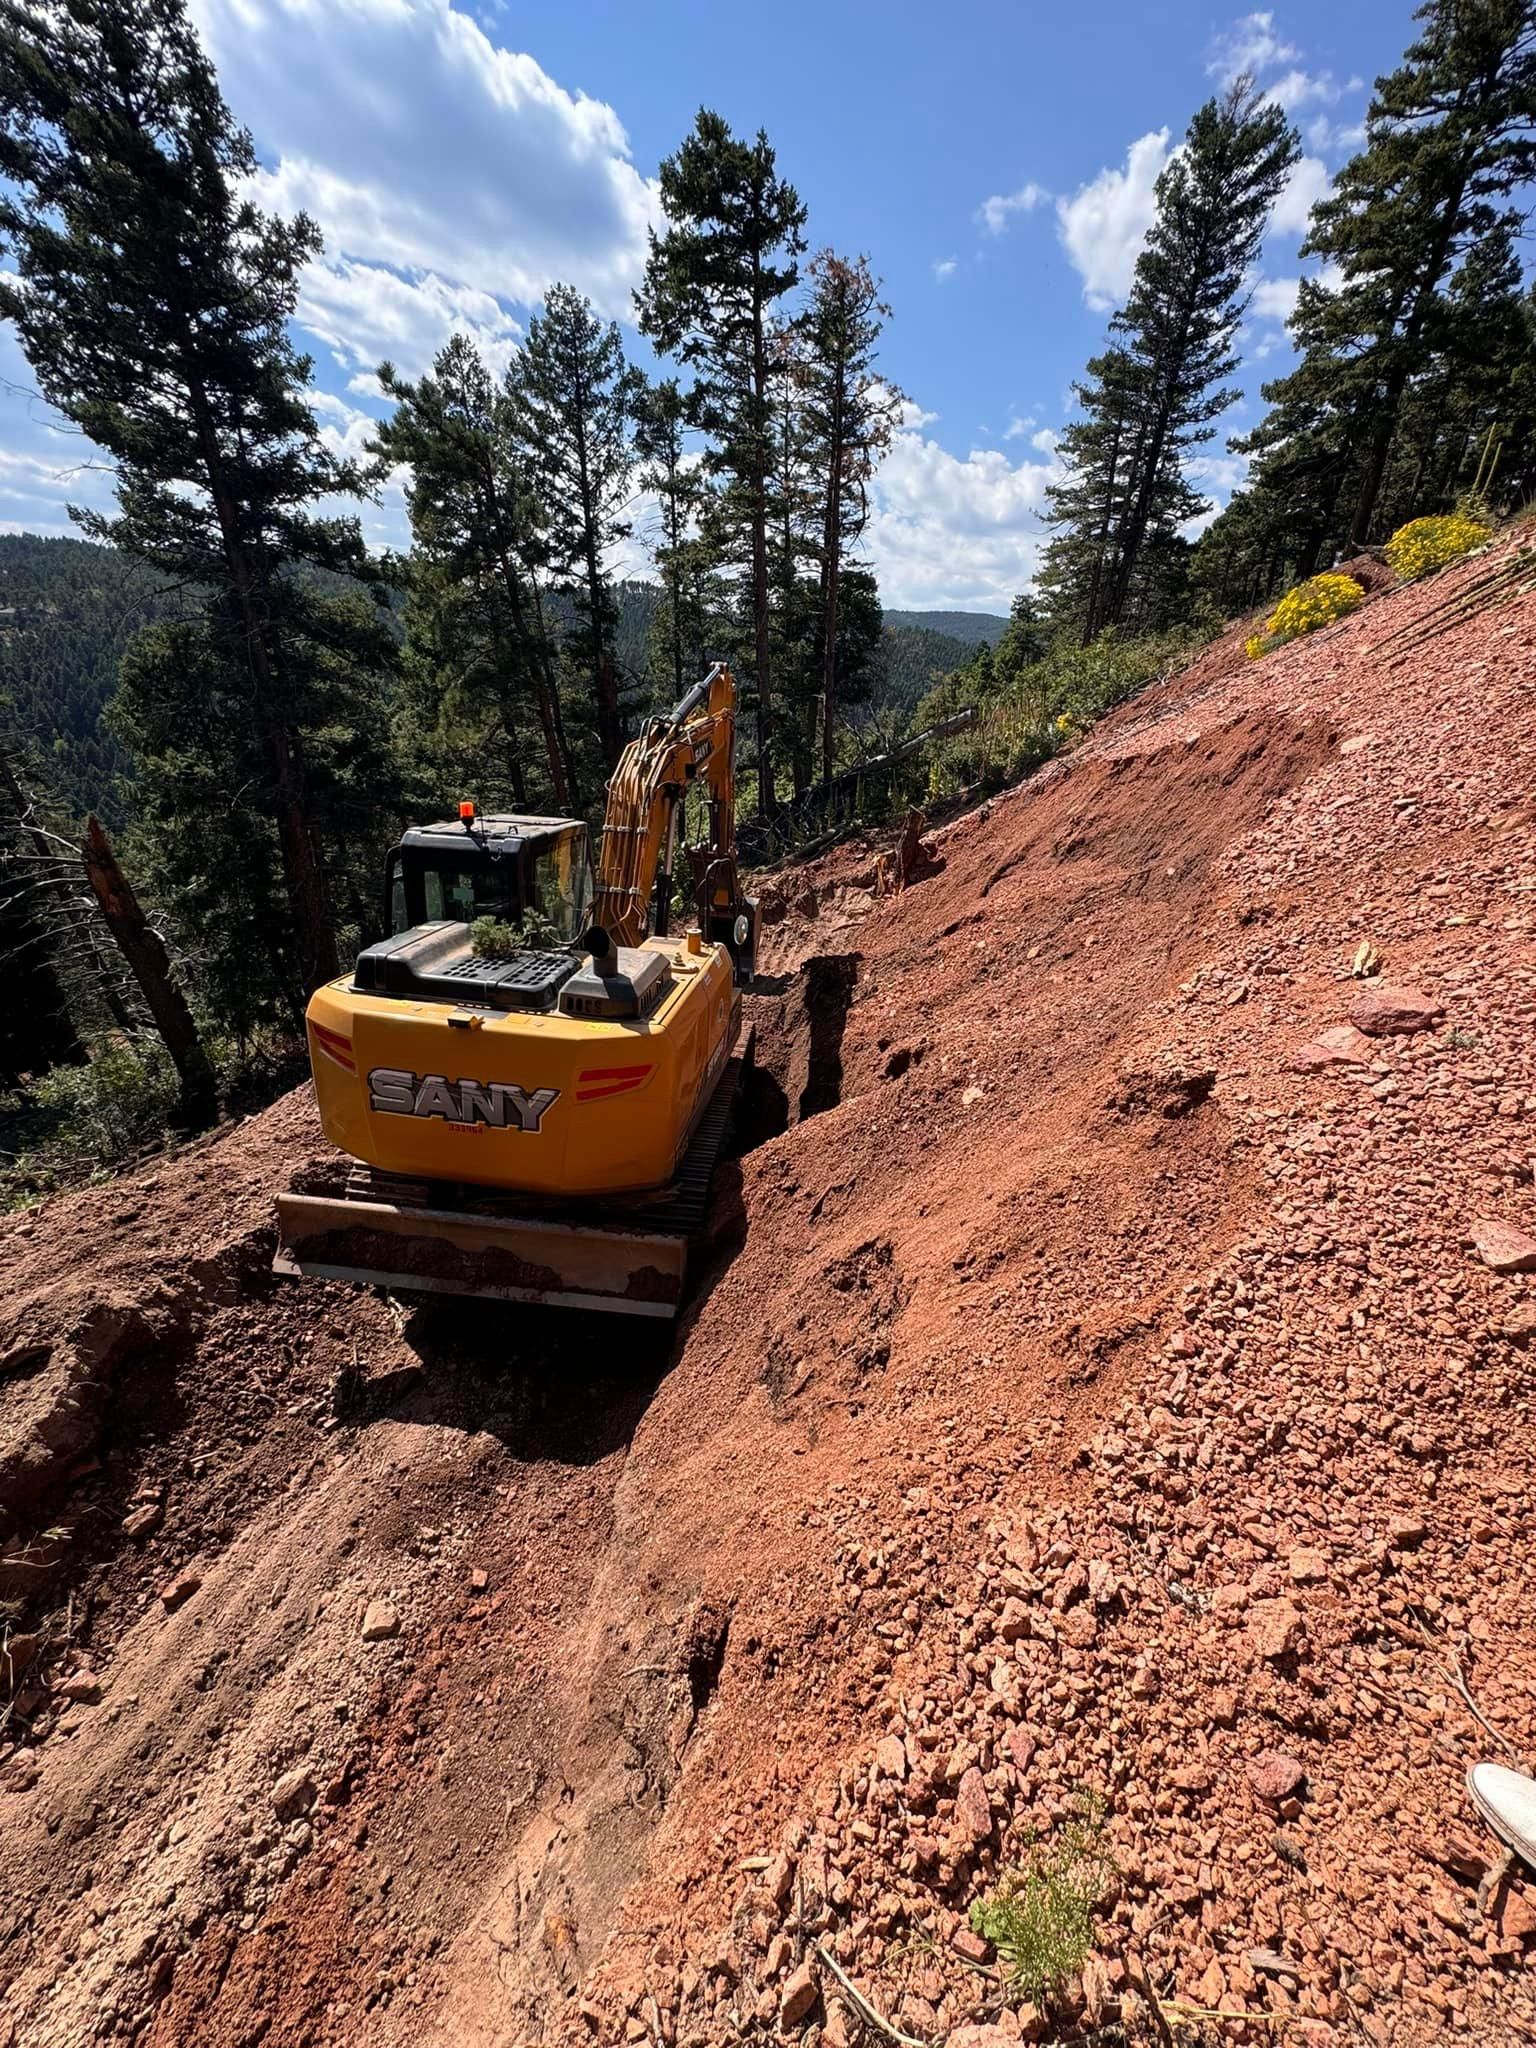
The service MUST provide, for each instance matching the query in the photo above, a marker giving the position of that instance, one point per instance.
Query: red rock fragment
(1503, 1248)
(1341, 1045)
(1517, 1916)
(1383, 1012)
(1275, 1776)
(798, 1996)
(891, 1757)
(1021, 1748)
(973, 1809)
(1274, 1628)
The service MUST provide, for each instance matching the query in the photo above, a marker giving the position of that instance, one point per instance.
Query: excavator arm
(646, 798)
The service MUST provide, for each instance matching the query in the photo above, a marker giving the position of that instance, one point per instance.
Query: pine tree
(581, 399)
(1100, 450)
(711, 283)
(1414, 339)
(1449, 134)
(1155, 395)
(850, 416)
(153, 303)
(37, 1029)
(794, 501)
(680, 627)
(202, 831)
(480, 545)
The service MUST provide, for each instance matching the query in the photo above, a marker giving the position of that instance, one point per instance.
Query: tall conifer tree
(581, 399)
(478, 523)
(1162, 384)
(1417, 299)
(713, 279)
(850, 416)
(153, 303)
(676, 483)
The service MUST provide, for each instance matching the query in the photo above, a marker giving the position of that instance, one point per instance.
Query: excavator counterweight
(535, 1094)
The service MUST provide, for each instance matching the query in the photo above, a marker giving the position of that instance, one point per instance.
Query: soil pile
(1111, 1370)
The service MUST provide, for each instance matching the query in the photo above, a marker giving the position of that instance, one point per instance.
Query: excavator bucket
(628, 1257)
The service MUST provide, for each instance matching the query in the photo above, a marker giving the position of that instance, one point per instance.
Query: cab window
(486, 890)
(399, 909)
(561, 885)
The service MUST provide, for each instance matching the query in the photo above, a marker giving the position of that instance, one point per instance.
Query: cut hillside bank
(1092, 1388)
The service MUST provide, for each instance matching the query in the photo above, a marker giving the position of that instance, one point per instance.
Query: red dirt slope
(1091, 1387)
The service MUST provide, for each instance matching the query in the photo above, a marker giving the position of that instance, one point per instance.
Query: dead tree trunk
(141, 946)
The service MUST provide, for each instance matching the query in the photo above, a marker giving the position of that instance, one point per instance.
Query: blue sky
(994, 161)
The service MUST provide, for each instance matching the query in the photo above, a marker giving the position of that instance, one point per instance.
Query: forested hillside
(69, 609)
(971, 629)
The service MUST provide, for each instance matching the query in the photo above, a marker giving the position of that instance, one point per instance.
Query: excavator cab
(503, 867)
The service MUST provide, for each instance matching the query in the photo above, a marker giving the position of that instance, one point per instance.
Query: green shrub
(1043, 707)
(73, 1121)
(1425, 544)
(118, 1101)
(1040, 1917)
(491, 938)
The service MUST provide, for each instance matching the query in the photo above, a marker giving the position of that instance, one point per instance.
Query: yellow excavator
(534, 1073)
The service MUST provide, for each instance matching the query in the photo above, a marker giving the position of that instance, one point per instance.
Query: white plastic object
(1507, 1801)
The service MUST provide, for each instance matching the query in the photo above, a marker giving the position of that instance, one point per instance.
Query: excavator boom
(645, 799)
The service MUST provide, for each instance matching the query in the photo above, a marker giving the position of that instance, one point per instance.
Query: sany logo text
(398, 1093)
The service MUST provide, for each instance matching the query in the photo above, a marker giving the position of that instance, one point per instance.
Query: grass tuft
(1040, 1916)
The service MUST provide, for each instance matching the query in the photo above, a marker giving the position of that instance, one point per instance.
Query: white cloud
(1216, 477)
(1018, 426)
(1308, 183)
(1104, 224)
(1325, 134)
(1220, 475)
(1298, 89)
(954, 531)
(944, 270)
(1253, 47)
(343, 429)
(451, 177)
(994, 213)
(1274, 298)
(912, 416)
(366, 314)
(1248, 47)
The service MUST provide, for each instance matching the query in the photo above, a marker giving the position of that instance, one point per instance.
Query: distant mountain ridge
(976, 629)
